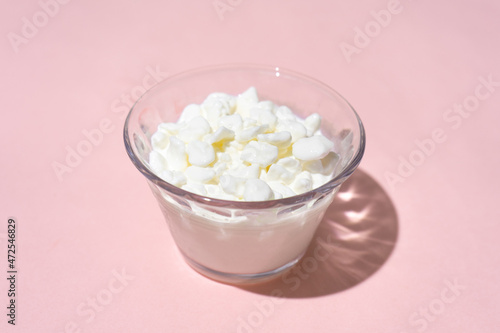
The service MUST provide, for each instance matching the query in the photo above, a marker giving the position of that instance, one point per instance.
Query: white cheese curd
(257, 190)
(313, 148)
(200, 153)
(175, 155)
(239, 148)
(259, 153)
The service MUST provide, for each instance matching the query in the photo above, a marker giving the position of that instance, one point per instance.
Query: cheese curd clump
(240, 148)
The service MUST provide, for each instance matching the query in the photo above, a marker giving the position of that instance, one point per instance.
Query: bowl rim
(297, 199)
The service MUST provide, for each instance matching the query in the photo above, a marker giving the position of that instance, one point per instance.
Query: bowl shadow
(354, 239)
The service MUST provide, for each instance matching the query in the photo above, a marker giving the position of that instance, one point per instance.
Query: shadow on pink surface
(355, 238)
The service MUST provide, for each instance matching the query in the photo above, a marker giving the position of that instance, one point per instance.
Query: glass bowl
(244, 241)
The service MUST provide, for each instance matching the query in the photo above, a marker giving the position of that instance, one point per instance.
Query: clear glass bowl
(237, 241)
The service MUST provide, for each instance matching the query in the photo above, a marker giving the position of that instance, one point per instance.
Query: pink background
(418, 253)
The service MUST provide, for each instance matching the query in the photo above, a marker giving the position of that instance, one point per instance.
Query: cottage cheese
(239, 148)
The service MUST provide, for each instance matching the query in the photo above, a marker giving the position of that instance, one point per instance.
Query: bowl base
(241, 279)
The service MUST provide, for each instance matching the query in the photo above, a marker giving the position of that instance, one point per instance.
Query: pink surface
(415, 247)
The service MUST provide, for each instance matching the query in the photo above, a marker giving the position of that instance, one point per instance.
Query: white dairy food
(247, 150)
(240, 148)
(312, 148)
